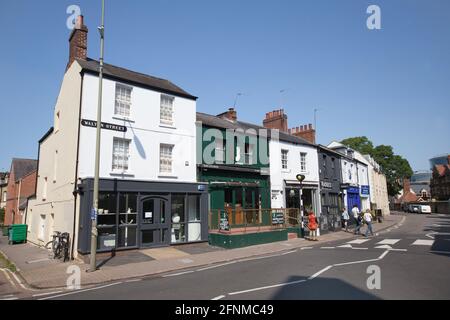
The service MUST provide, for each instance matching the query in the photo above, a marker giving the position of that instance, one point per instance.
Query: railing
(252, 220)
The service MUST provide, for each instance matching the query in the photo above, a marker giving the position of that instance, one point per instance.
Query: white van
(424, 209)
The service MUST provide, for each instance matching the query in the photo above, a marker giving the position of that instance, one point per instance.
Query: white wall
(56, 207)
(347, 167)
(279, 175)
(143, 130)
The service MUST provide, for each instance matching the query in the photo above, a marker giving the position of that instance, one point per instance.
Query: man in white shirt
(355, 213)
(368, 220)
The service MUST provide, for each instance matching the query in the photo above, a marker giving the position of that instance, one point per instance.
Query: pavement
(39, 276)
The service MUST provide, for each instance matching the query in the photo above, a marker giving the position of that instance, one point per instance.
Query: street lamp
(93, 263)
(301, 178)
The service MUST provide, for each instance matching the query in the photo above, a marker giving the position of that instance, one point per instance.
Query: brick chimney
(406, 186)
(231, 114)
(78, 42)
(306, 132)
(276, 119)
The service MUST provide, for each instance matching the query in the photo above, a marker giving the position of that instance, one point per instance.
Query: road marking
(306, 248)
(320, 272)
(384, 247)
(218, 297)
(9, 299)
(217, 266)
(362, 261)
(389, 241)
(346, 246)
(327, 248)
(177, 274)
(79, 291)
(356, 248)
(46, 293)
(267, 287)
(9, 278)
(420, 242)
(358, 241)
(134, 280)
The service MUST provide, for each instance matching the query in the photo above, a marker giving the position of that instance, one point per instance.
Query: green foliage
(394, 166)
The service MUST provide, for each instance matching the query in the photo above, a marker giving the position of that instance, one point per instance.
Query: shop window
(106, 219)
(178, 219)
(228, 197)
(194, 225)
(127, 220)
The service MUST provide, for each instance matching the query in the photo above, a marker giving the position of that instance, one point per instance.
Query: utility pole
(93, 262)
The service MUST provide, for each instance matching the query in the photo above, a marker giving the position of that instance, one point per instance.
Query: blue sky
(391, 85)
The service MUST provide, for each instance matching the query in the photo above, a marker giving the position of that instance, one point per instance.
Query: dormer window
(166, 110)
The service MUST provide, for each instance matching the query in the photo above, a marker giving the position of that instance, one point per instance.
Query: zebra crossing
(386, 244)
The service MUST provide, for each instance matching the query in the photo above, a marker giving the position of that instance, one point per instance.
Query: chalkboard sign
(224, 225)
(277, 218)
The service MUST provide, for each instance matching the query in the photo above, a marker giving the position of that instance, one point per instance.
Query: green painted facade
(232, 241)
(235, 184)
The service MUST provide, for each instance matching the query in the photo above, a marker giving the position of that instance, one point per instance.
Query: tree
(361, 144)
(395, 167)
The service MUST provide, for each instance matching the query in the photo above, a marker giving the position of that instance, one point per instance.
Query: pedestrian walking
(368, 221)
(345, 218)
(357, 218)
(312, 226)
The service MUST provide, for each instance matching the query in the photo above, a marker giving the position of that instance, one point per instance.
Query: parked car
(414, 208)
(424, 209)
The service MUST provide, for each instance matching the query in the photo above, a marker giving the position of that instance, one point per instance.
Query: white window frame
(121, 162)
(284, 159)
(166, 158)
(122, 102)
(166, 110)
(303, 156)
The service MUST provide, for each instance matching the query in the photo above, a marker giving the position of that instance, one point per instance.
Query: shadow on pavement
(322, 289)
(441, 226)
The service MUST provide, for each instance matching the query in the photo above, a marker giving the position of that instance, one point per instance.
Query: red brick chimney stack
(231, 114)
(306, 132)
(78, 42)
(276, 119)
(406, 186)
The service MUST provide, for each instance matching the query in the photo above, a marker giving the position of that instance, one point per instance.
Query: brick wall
(27, 188)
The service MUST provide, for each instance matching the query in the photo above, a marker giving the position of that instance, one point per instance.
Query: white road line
(384, 247)
(267, 287)
(9, 278)
(46, 293)
(176, 274)
(358, 241)
(327, 247)
(320, 272)
(133, 280)
(356, 248)
(218, 297)
(346, 246)
(420, 242)
(389, 241)
(217, 266)
(311, 277)
(306, 248)
(79, 291)
(9, 299)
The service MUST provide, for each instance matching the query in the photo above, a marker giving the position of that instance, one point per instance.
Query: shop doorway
(155, 223)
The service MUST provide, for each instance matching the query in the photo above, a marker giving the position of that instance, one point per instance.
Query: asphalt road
(412, 261)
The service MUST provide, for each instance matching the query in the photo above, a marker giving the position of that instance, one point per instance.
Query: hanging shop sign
(104, 125)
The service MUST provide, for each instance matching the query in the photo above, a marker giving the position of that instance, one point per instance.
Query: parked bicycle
(60, 245)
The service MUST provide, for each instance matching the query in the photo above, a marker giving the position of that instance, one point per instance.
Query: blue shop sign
(365, 190)
(353, 190)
